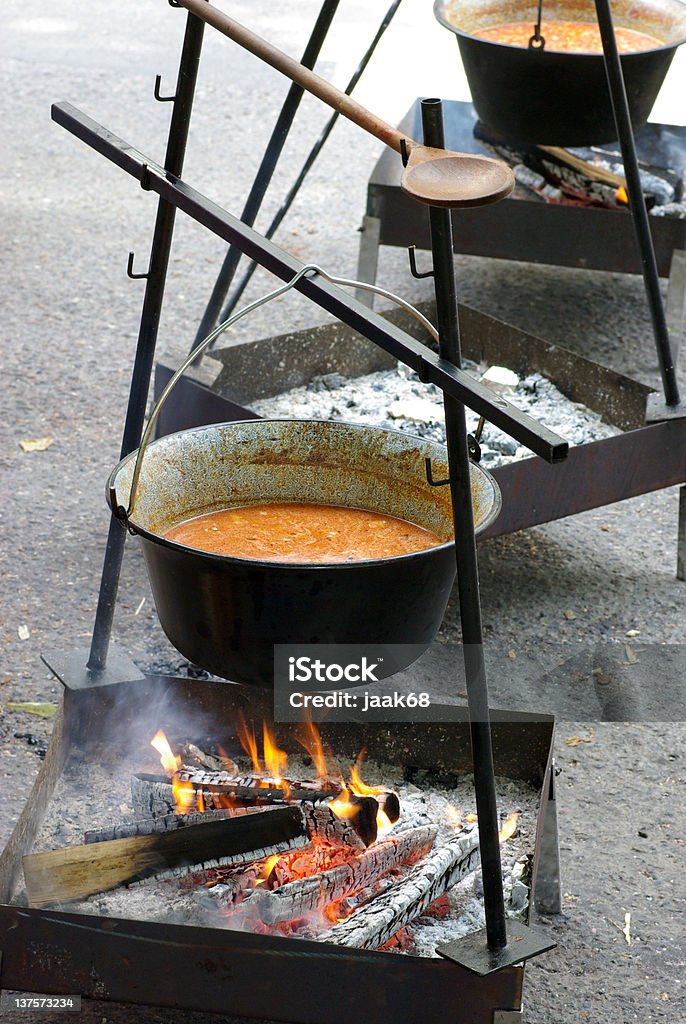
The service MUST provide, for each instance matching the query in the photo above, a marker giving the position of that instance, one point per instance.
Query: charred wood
(153, 796)
(379, 919)
(164, 823)
(305, 895)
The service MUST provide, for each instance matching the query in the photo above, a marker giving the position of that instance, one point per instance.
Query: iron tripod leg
(147, 335)
(496, 953)
(644, 239)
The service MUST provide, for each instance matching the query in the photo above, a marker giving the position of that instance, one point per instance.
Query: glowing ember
(509, 827)
(266, 869)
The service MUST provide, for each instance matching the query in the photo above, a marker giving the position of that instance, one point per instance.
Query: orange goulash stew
(568, 36)
(298, 532)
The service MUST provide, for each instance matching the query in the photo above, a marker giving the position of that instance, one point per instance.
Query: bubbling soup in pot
(301, 532)
(568, 36)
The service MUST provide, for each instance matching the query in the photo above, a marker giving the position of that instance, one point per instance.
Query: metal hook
(473, 447)
(145, 178)
(413, 264)
(129, 270)
(429, 475)
(161, 99)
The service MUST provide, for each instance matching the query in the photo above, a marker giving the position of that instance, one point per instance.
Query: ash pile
(397, 399)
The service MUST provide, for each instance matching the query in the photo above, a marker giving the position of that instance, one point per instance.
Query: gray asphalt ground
(70, 320)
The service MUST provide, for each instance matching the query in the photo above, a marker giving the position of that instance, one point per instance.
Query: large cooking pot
(559, 99)
(226, 613)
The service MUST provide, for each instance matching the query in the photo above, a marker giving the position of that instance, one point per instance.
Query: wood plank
(59, 876)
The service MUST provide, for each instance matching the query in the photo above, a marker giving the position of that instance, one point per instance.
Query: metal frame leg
(368, 256)
(681, 536)
(147, 336)
(547, 897)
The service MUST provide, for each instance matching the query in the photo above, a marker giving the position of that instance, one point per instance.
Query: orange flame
(246, 735)
(184, 792)
(509, 827)
(454, 816)
(310, 738)
(168, 759)
(184, 795)
(275, 760)
(361, 788)
(621, 196)
(470, 818)
(342, 806)
(266, 869)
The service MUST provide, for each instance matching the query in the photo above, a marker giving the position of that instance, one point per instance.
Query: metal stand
(155, 276)
(501, 948)
(637, 206)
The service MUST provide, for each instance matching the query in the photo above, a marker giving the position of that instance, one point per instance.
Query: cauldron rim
(542, 53)
(228, 560)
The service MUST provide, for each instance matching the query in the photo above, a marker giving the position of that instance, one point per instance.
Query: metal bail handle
(537, 41)
(124, 514)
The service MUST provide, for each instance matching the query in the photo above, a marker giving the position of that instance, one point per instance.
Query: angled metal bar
(429, 366)
(637, 206)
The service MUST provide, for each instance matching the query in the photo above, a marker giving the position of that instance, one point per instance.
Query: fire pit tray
(251, 976)
(639, 460)
(522, 227)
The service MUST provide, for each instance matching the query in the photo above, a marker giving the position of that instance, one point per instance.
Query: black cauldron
(226, 614)
(552, 98)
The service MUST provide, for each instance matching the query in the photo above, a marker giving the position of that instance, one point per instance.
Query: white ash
(399, 400)
(88, 796)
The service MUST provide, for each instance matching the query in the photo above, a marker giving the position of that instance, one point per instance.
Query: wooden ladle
(437, 177)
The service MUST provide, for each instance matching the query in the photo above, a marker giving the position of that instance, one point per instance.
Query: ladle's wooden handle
(297, 73)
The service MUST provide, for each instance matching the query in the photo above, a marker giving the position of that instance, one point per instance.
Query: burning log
(60, 876)
(305, 895)
(153, 796)
(378, 920)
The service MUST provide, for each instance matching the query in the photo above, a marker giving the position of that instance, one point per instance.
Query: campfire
(265, 843)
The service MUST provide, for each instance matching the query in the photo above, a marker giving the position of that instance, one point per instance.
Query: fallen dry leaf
(574, 741)
(34, 708)
(569, 614)
(23, 632)
(631, 658)
(36, 444)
